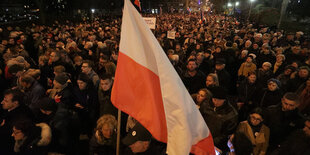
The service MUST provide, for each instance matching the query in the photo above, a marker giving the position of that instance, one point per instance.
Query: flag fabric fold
(147, 87)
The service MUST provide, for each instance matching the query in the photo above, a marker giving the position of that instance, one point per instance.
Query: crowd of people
(251, 84)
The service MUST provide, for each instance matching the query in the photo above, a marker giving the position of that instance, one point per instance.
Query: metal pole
(118, 131)
(250, 10)
(283, 10)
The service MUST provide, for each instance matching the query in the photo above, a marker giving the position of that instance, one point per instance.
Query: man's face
(218, 102)
(303, 73)
(306, 129)
(288, 105)
(105, 84)
(54, 57)
(252, 78)
(191, 66)
(86, 68)
(272, 86)
(7, 102)
(82, 85)
(139, 146)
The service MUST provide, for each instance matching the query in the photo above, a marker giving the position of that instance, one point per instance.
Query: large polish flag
(148, 88)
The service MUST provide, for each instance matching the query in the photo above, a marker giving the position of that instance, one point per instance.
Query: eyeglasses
(16, 132)
(255, 118)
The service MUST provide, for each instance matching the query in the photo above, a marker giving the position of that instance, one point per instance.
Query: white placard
(150, 21)
(171, 34)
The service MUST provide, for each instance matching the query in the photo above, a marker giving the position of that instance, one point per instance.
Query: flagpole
(118, 131)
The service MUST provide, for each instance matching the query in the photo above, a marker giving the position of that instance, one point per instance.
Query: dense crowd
(251, 84)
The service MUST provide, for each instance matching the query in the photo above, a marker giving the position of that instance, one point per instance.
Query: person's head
(273, 84)
(266, 66)
(110, 68)
(280, 58)
(256, 116)
(22, 128)
(106, 82)
(255, 46)
(27, 81)
(203, 95)
(218, 96)
(252, 77)
(220, 64)
(87, 66)
(60, 80)
(177, 47)
(47, 106)
(218, 49)
(191, 65)
(303, 72)
(138, 139)
(106, 125)
(12, 99)
(249, 59)
(200, 56)
(290, 101)
(16, 69)
(212, 80)
(43, 60)
(78, 60)
(59, 69)
(296, 49)
(83, 81)
(289, 70)
(55, 56)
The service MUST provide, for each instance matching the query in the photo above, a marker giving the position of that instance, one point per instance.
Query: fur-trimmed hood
(46, 134)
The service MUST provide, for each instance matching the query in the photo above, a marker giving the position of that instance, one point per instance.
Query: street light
(229, 4)
(92, 10)
(237, 4)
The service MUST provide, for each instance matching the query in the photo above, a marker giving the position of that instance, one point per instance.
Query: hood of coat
(46, 134)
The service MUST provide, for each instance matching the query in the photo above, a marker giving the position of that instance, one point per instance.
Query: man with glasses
(283, 119)
(13, 110)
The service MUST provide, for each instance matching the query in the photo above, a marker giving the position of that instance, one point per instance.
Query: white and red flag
(148, 88)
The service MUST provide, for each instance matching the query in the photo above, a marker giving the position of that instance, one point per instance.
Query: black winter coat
(222, 122)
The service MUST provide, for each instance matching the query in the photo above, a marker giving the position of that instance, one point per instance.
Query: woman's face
(201, 96)
(17, 134)
(255, 119)
(106, 131)
(209, 81)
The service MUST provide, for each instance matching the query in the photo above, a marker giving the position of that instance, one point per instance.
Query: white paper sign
(171, 34)
(150, 21)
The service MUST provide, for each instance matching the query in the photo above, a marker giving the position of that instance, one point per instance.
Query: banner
(150, 21)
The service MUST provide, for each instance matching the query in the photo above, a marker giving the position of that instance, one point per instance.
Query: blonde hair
(215, 78)
(106, 119)
(35, 73)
